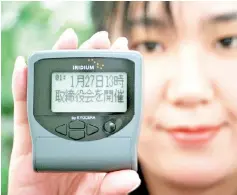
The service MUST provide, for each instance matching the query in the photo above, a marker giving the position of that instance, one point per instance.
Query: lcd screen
(89, 92)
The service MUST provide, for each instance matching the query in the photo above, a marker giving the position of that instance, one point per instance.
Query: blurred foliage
(27, 27)
(31, 26)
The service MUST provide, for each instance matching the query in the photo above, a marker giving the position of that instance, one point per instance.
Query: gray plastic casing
(116, 152)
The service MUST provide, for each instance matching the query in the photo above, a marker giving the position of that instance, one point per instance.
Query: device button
(91, 129)
(109, 127)
(76, 134)
(77, 125)
(62, 129)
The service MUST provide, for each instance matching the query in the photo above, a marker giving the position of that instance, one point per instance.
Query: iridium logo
(97, 64)
(83, 67)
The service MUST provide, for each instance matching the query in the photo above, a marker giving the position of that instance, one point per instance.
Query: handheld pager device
(84, 109)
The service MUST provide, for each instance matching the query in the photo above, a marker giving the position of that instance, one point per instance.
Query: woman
(188, 141)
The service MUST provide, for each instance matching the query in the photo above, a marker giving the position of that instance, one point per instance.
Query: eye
(148, 46)
(227, 43)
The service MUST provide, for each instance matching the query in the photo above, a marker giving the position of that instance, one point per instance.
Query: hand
(22, 179)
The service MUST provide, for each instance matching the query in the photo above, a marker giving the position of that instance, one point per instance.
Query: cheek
(224, 79)
(150, 92)
(151, 95)
(155, 76)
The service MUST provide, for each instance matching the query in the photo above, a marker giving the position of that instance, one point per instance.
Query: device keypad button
(76, 134)
(62, 129)
(91, 129)
(77, 125)
(109, 127)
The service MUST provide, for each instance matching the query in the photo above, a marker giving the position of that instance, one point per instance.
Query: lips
(190, 136)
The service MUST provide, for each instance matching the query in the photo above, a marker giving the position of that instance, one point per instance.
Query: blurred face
(189, 129)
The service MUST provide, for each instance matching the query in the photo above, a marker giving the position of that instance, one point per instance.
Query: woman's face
(189, 129)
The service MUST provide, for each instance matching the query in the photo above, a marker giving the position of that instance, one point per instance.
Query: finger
(68, 40)
(89, 183)
(120, 183)
(22, 141)
(120, 44)
(99, 40)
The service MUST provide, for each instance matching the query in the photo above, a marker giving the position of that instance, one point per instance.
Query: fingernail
(124, 40)
(20, 62)
(135, 187)
(68, 33)
(99, 34)
(102, 33)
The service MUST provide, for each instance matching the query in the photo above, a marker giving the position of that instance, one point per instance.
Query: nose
(189, 86)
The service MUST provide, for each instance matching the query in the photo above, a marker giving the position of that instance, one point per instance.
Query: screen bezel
(42, 86)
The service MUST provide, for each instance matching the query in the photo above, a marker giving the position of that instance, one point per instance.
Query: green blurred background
(28, 27)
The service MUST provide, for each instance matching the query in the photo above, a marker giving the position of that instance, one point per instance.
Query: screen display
(89, 92)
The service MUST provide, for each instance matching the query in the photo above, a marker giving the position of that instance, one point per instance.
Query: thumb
(120, 183)
(22, 141)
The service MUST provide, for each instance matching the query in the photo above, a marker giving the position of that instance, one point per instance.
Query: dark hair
(103, 15)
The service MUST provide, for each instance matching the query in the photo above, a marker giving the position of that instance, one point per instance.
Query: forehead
(187, 12)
